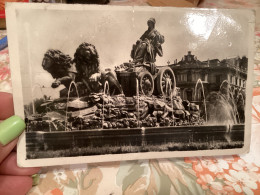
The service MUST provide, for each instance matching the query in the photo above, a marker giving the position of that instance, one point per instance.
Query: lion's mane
(60, 63)
(86, 57)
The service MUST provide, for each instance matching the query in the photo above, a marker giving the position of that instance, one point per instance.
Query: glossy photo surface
(107, 83)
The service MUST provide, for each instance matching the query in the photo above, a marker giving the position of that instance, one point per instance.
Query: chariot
(146, 79)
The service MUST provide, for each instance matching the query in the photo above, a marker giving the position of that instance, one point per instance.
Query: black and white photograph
(107, 83)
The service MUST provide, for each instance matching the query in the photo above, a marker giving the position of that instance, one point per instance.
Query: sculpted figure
(149, 45)
(60, 66)
(84, 70)
(86, 59)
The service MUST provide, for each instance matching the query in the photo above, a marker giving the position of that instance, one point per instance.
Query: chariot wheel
(165, 82)
(146, 83)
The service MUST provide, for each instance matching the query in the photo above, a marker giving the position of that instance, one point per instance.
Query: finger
(9, 167)
(10, 129)
(5, 150)
(18, 185)
(6, 105)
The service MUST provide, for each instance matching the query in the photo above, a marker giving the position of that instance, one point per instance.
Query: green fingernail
(36, 179)
(10, 129)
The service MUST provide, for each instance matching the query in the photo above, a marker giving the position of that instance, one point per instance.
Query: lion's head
(56, 63)
(87, 60)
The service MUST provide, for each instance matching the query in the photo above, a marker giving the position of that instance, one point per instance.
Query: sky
(208, 34)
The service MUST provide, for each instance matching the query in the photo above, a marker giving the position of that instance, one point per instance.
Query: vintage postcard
(108, 83)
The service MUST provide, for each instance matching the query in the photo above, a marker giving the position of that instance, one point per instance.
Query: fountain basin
(114, 141)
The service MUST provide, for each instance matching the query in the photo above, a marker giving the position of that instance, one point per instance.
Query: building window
(193, 77)
(196, 76)
(233, 80)
(199, 95)
(182, 77)
(243, 83)
(188, 94)
(218, 78)
(206, 78)
(189, 77)
(203, 76)
(178, 77)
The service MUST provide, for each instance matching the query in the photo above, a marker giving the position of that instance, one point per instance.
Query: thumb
(6, 105)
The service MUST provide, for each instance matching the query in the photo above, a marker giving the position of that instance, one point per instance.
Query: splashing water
(106, 92)
(51, 123)
(33, 102)
(220, 111)
(222, 85)
(222, 107)
(33, 92)
(137, 95)
(204, 99)
(66, 118)
(226, 90)
(172, 94)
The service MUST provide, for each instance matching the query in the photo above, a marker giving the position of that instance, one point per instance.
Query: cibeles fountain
(142, 122)
(136, 105)
(163, 108)
(218, 108)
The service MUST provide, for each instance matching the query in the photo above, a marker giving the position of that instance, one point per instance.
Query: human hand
(13, 179)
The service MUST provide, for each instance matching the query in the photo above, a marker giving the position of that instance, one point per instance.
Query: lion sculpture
(60, 66)
(86, 59)
(84, 70)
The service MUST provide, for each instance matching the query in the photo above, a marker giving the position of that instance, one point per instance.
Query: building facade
(209, 75)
